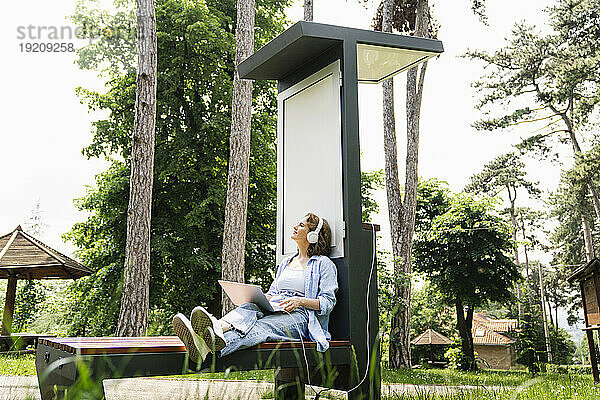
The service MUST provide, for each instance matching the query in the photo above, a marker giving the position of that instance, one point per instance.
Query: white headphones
(313, 236)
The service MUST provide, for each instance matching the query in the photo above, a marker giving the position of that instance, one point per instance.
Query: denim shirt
(320, 282)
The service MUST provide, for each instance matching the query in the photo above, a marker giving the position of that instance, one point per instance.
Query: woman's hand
(291, 303)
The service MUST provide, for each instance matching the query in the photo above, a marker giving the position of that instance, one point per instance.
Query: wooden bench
(18, 342)
(60, 362)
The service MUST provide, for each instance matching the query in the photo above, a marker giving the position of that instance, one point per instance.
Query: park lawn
(453, 377)
(17, 365)
(542, 387)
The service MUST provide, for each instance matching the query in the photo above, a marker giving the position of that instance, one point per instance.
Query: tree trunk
(308, 10)
(587, 239)
(133, 316)
(550, 313)
(414, 92)
(399, 351)
(544, 317)
(400, 346)
(512, 197)
(464, 325)
(236, 206)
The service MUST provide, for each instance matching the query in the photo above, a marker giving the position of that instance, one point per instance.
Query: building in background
(492, 342)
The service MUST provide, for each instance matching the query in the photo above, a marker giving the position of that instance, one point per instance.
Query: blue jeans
(251, 327)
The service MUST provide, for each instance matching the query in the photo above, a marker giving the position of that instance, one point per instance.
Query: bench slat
(150, 344)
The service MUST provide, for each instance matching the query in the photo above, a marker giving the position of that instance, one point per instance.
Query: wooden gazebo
(431, 338)
(24, 257)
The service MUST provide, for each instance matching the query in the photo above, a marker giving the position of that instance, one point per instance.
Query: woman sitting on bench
(304, 285)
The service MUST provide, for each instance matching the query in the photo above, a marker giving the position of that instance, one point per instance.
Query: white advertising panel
(309, 157)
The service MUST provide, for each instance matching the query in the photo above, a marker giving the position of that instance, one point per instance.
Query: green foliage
(464, 253)
(531, 346)
(429, 311)
(555, 74)
(541, 387)
(569, 369)
(531, 343)
(369, 183)
(450, 377)
(506, 171)
(433, 199)
(568, 205)
(563, 347)
(195, 71)
(17, 364)
(454, 356)
(28, 304)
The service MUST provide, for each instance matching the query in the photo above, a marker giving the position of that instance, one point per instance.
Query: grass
(452, 377)
(17, 365)
(258, 375)
(542, 387)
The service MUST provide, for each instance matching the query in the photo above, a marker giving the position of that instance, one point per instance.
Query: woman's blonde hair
(323, 245)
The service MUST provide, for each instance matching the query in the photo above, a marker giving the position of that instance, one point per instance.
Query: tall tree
(464, 256)
(399, 352)
(570, 240)
(236, 206)
(557, 73)
(410, 17)
(414, 17)
(308, 10)
(135, 300)
(504, 174)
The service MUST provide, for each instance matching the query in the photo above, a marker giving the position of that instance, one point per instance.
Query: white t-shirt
(291, 280)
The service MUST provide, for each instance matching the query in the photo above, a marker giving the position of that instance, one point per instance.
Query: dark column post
(9, 306)
(593, 358)
(359, 244)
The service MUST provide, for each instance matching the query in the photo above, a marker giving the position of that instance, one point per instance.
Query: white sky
(45, 126)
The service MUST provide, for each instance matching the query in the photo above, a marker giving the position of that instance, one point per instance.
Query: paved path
(26, 387)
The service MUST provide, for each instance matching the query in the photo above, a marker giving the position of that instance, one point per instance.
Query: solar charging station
(318, 68)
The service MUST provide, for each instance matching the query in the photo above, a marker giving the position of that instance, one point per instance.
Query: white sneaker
(196, 347)
(209, 329)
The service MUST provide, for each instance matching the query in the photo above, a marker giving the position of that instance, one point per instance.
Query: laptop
(241, 293)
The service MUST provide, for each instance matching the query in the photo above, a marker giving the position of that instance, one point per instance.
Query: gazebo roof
(24, 257)
(430, 337)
